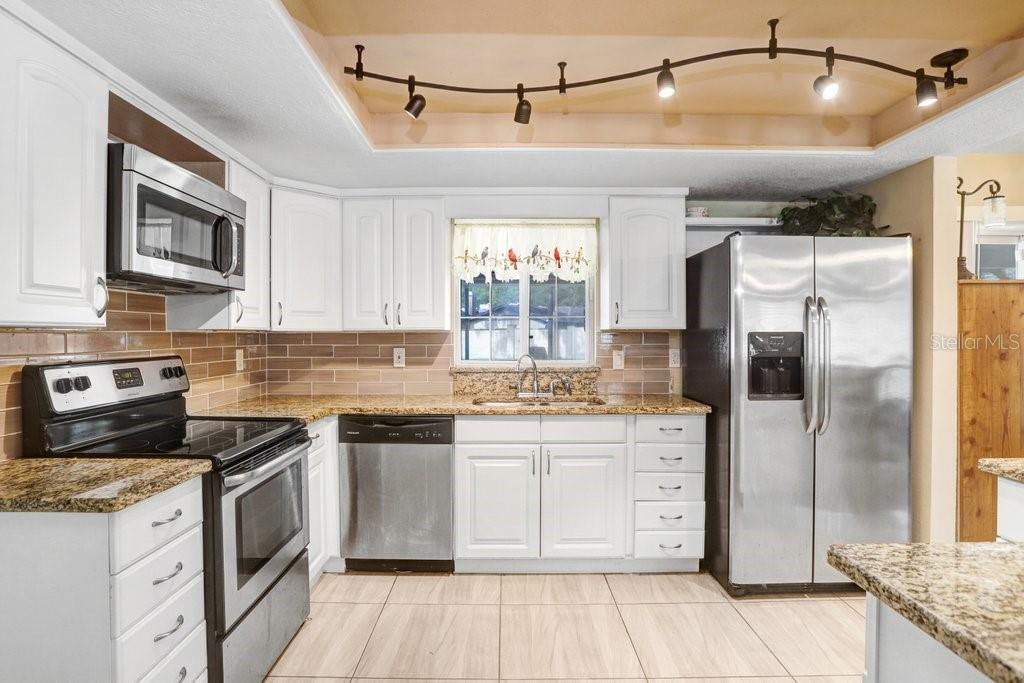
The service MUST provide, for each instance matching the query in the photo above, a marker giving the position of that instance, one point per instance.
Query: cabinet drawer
(147, 583)
(185, 663)
(141, 528)
(497, 428)
(661, 544)
(683, 457)
(669, 516)
(583, 428)
(669, 486)
(670, 428)
(142, 647)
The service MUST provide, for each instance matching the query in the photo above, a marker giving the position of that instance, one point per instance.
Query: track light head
(417, 103)
(523, 107)
(666, 82)
(826, 87)
(927, 93)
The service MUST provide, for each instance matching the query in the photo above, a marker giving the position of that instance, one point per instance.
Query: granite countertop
(968, 596)
(1010, 468)
(89, 484)
(312, 408)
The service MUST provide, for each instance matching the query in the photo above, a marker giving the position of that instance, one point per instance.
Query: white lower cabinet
(583, 501)
(324, 535)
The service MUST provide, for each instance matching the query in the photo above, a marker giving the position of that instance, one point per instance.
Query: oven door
(167, 234)
(264, 526)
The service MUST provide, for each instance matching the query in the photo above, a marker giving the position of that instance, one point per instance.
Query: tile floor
(623, 627)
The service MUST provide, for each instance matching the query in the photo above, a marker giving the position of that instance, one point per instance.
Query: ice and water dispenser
(775, 363)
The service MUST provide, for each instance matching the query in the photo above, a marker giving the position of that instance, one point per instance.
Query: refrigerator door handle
(826, 365)
(811, 353)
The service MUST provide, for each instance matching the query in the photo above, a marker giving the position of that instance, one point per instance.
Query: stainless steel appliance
(802, 347)
(256, 518)
(168, 229)
(396, 492)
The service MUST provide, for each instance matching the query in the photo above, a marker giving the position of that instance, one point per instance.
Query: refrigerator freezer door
(862, 468)
(772, 458)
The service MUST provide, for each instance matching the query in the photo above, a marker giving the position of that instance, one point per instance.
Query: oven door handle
(233, 480)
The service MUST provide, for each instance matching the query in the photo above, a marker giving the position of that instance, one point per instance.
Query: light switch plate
(239, 360)
(617, 360)
(673, 358)
(398, 354)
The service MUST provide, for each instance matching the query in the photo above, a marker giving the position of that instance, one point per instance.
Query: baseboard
(575, 566)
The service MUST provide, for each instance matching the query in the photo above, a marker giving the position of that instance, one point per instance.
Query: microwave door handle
(233, 263)
(826, 365)
(233, 480)
(811, 364)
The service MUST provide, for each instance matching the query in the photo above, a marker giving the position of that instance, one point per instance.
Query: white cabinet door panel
(53, 133)
(583, 501)
(497, 504)
(421, 283)
(250, 308)
(317, 513)
(368, 258)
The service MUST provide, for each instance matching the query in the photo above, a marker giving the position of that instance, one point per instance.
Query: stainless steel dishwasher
(396, 492)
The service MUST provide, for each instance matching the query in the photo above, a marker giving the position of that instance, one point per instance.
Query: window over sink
(525, 286)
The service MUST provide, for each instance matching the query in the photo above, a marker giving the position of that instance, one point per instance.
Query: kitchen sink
(540, 402)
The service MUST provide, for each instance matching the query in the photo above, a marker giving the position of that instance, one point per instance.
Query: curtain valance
(512, 248)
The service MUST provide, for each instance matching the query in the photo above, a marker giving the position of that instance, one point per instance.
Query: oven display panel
(127, 378)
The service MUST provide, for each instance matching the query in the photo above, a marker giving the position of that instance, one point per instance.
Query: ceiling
(245, 71)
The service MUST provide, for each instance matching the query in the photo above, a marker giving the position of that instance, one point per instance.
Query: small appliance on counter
(802, 347)
(396, 492)
(168, 230)
(256, 519)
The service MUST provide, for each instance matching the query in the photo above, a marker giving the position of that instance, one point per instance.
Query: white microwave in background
(169, 230)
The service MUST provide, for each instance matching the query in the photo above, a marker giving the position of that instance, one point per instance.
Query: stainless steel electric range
(256, 518)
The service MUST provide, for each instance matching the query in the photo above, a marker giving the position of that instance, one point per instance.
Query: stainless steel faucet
(536, 380)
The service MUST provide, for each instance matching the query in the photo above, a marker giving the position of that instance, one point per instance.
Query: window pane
(540, 338)
(475, 341)
(997, 261)
(542, 297)
(475, 298)
(572, 298)
(505, 298)
(571, 341)
(505, 338)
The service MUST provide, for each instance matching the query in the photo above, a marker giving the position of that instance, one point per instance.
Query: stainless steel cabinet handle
(177, 570)
(670, 488)
(241, 309)
(233, 263)
(101, 311)
(549, 462)
(314, 437)
(675, 459)
(398, 313)
(172, 518)
(385, 313)
(670, 429)
(826, 365)
(811, 331)
(616, 312)
(671, 517)
(182, 674)
(166, 634)
(677, 546)
(280, 312)
(533, 462)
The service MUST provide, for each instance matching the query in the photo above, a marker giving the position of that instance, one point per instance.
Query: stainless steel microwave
(168, 229)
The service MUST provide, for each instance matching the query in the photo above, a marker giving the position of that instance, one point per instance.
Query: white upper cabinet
(53, 159)
(367, 263)
(643, 264)
(421, 283)
(305, 261)
(394, 264)
(248, 309)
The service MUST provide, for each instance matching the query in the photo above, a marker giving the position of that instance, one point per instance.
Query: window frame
(998, 236)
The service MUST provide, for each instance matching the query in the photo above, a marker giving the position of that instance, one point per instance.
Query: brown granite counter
(1010, 468)
(968, 596)
(312, 408)
(89, 484)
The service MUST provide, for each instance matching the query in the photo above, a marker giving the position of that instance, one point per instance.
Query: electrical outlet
(398, 354)
(618, 362)
(673, 358)
(239, 360)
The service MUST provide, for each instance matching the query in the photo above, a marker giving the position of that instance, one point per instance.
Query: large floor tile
(329, 644)
(565, 641)
(370, 588)
(859, 604)
(656, 588)
(446, 589)
(726, 679)
(419, 680)
(554, 589)
(694, 640)
(829, 679)
(811, 638)
(433, 641)
(304, 679)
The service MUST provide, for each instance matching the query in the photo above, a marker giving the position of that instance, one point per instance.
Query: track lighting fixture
(523, 107)
(666, 81)
(826, 86)
(927, 93)
(417, 103)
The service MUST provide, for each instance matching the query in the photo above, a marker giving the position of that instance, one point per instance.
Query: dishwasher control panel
(394, 429)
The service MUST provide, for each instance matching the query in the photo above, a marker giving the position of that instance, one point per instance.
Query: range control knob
(82, 383)
(63, 386)
(167, 372)
(179, 371)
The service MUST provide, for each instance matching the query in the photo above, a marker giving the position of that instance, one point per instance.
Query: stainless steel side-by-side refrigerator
(802, 346)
